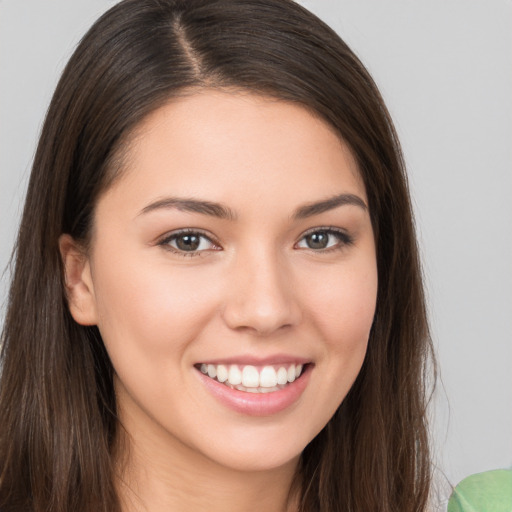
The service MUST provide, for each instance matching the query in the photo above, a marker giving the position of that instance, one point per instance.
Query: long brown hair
(58, 409)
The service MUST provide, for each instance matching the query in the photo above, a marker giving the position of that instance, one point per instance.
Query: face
(232, 275)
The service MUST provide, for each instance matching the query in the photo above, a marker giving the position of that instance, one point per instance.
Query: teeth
(282, 376)
(234, 375)
(268, 377)
(222, 373)
(269, 390)
(212, 371)
(249, 378)
(257, 390)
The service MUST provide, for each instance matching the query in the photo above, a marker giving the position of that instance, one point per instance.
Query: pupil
(188, 242)
(317, 240)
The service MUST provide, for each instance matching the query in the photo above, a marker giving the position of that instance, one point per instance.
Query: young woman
(217, 300)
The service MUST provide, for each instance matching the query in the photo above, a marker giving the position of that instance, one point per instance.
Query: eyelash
(165, 242)
(344, 240)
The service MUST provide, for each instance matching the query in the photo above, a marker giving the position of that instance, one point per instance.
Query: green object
(484, 492)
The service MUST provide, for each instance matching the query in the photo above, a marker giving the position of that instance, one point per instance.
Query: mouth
(254, 379)
(262, 388)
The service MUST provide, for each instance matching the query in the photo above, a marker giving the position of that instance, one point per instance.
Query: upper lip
(257, 361)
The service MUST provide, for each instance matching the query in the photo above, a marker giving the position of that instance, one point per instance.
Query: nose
(260, 295)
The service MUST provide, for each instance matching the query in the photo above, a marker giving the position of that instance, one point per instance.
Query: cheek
(343, 310)
(150, 309)
(340, 314)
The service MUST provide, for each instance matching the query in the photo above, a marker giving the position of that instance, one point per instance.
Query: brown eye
(187, 242)
(321, 239)
(317, 240)
(190, 242)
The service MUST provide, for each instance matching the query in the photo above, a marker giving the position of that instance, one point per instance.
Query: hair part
(57, 438)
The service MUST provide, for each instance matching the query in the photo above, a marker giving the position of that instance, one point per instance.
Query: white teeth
(234, 375)
(282, 376)
(268, 377)
(256, 390)
(212, 371)
(222, 373)
(250, 377)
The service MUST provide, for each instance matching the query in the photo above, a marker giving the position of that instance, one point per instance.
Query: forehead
(231, 146)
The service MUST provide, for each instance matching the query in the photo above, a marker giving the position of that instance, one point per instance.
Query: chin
(257, 460)
(250, 449)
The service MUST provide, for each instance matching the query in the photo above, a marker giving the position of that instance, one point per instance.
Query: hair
(58, 423)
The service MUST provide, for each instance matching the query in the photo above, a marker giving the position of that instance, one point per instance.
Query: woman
(217, 299)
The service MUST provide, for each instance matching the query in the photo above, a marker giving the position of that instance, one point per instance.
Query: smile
(253, 379)
(257, 389)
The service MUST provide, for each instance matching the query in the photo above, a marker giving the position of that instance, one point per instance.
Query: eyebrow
(192, 205)
(223, 212)
(330, 203)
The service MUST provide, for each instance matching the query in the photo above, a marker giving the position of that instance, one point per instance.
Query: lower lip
(258, 404)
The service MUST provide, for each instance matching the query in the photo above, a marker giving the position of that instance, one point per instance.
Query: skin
(257, 290)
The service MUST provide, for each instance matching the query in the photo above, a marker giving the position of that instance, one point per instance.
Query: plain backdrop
(445, 70)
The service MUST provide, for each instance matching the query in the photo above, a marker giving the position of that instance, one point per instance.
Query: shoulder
(491, 490)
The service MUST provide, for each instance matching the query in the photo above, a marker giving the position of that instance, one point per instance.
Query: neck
(157, 477)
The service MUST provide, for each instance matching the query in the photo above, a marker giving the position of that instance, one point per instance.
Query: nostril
(260, 297)
(261, 321)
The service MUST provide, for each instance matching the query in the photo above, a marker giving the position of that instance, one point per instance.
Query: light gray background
(445, 70)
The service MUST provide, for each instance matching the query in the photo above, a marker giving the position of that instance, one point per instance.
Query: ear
(78, 281)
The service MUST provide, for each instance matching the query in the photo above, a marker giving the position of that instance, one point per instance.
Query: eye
(189, 243)
(324, 238)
